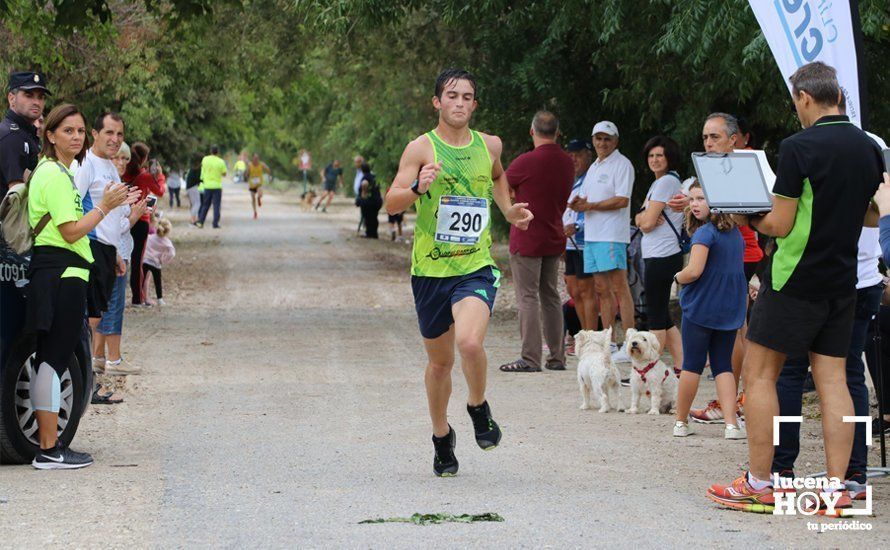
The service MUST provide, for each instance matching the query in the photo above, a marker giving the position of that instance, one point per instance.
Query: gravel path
(283, 402)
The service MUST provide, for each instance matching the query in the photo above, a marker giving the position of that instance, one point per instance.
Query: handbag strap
(671, 225)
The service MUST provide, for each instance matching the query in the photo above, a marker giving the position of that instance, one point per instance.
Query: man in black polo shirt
(19, 147)
(826, 176)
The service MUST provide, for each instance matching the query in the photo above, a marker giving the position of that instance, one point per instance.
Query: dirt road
(282, 403)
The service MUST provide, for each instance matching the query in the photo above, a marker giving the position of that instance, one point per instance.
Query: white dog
(650, 374)
(596, 372)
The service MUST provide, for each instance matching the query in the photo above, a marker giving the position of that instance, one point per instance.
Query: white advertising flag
(803, 31)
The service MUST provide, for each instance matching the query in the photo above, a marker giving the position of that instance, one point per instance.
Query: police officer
(19, 145)
(19, 148)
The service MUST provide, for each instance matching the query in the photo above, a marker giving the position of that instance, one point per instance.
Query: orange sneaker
(741, 496)
(711, 414)
(843, 502)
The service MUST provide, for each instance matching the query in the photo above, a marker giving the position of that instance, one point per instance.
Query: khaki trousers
(537, 297)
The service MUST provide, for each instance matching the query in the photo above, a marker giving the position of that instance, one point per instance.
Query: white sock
(758, 484)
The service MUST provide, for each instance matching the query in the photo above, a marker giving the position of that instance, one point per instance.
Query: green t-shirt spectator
(52, 190)
(213, 169)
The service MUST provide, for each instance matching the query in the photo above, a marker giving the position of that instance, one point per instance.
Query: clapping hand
(519, 215)
(115, 195)
(140, 208)
(133, 195)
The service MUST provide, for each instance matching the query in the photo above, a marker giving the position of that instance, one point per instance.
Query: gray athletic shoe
(121, 368)
(61, 458)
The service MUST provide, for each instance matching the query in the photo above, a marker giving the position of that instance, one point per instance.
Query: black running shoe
(61, 458)
(444, 461)
(488, 433)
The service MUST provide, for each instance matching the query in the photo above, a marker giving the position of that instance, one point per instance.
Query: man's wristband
(416, 187)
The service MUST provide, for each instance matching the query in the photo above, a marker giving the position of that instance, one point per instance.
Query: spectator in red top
(542, 178)
(149, 182)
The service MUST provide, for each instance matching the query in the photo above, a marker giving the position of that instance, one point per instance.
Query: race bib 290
(461, 219)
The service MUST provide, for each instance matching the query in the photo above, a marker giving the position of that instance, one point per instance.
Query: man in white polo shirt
(605, 200)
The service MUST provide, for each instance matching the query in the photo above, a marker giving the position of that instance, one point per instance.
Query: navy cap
(27, 80)
(579, 145)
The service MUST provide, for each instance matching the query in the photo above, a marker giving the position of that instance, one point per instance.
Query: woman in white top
(662, 253)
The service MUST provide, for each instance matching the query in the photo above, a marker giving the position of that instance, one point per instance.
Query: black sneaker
(488, 434)
(60, 458)
(444, 461)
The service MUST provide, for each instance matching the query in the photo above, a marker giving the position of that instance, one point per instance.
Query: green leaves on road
(434, 519)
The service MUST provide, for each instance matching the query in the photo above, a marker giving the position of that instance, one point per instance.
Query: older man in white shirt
(605, 200)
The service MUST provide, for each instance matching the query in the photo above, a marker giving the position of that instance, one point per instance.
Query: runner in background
(333, 176)
(255, 174)
(240, 167)
(452, 174)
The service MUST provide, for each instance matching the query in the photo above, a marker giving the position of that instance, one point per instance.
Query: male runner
(255, 171)
(454, 173)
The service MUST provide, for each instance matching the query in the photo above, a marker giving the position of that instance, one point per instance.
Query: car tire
(18, 425)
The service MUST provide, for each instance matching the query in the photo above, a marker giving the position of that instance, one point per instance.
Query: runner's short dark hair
(671, 151)
(819, 81)
(214, 150)
(449, 75)
(99, 123)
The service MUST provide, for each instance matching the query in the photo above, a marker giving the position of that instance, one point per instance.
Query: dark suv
(18, 424)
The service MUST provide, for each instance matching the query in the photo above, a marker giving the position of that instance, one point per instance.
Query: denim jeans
(790, 389)
(113, 320)
(211, 197)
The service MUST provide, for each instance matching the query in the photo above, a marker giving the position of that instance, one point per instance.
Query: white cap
(605, 127)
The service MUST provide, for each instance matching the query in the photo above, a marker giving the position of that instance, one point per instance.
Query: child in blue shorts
(713, 304)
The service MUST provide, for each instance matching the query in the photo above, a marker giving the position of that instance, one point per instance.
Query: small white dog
(596, 372)
(650, 374)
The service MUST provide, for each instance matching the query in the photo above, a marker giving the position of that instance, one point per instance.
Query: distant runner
(453, 173)
(255, 173)
(333, 175)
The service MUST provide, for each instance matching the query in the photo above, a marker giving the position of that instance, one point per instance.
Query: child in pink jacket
(159, 251)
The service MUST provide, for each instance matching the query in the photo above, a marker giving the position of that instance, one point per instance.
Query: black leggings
(140, 235)
(570, 319)
(658, 278)
(55, 346)
(156, 277)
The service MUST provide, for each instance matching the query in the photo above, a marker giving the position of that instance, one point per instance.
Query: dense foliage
(342, 77)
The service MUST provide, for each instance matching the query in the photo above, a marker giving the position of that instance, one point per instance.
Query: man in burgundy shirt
(543, 179)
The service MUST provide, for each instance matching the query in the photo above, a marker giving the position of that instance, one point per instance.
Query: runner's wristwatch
(416, 187)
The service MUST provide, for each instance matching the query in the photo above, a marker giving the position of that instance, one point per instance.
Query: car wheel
(18, 423)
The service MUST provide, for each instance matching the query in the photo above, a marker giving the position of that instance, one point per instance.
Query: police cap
(27, 80)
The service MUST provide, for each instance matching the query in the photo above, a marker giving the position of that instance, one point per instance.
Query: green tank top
(452, 236)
